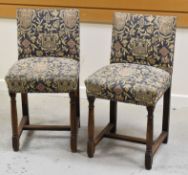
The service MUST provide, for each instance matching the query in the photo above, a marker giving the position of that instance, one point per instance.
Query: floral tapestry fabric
(127, 82)
(48, 33)
(43, 74)
(143, 39)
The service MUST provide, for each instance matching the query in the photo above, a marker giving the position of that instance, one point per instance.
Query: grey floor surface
(48, 153)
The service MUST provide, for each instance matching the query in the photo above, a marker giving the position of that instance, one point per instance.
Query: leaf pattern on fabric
(48, 33)
(126, 82)
(48, 51)
(141, 60)
(43, 74)
(143, 39)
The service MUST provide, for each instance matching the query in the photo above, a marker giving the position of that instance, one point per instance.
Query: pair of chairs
(140, 71)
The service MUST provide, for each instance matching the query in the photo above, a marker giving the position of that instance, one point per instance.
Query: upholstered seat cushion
(126, 82)
(43, 74)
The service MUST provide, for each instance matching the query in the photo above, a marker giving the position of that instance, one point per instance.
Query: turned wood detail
(14, 120)
(24, 124)
(110, 130)
(91, 125)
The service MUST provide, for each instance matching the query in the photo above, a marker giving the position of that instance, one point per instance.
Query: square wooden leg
(25, 107)
(166, 112)
(78, 105)
(73, 121)
(113, 115)
(91, 125)
(149, 139)
(14, 120)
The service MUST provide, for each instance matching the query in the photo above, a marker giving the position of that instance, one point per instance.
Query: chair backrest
(48, 33)
(143, 39)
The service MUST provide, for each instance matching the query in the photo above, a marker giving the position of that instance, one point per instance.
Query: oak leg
(14, 120)
(91, 124)
(149, 139)
(166, 112)
(78, 105)
(25, 108)
(113, 115)
(73, 121)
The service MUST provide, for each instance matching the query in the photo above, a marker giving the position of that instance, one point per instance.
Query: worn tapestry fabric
(143, 39)
(127, 82)
(48, 33)
(43, 74)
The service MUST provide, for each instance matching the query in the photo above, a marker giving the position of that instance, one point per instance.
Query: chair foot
(15, 143)
(90, 149)
(148, 161)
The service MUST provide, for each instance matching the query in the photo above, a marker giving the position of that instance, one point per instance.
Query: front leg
(149, 139)
(14, 120)
(73, 121)
(91, 125)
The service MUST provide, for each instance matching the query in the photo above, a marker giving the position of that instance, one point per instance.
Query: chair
(140, 73)
(48, 62)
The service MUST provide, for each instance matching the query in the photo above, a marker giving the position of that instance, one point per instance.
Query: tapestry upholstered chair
(48, 62)
(140, 73)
